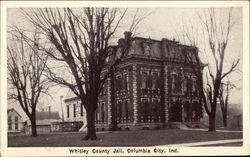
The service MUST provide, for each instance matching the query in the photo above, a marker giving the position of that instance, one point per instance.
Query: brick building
(153, 86)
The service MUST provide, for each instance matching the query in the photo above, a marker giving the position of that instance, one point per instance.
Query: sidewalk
(216, 130)
(207, 143)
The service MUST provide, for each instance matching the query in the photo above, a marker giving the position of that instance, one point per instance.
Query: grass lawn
(121, 138)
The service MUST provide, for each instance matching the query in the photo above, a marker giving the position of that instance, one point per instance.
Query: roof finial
(149, 40)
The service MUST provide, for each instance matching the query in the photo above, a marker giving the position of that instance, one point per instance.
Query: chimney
(127, 35)
(49, 111)
(121, 42)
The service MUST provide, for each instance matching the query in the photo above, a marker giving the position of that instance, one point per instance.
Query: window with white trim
(154, 79)
(126, 81)
(144, 80)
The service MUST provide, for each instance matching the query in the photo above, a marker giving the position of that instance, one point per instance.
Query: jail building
(152, 87)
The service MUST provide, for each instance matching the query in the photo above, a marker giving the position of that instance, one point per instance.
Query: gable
(13, 112)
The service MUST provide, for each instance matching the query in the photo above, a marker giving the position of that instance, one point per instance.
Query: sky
(162, 23)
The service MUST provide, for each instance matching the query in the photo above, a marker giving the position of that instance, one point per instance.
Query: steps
(183, 125)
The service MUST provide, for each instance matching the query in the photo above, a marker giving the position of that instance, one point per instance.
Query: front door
(175, 111)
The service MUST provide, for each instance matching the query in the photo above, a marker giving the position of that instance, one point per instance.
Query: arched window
(185, 82)
(119, 111)
(173, 84)
(156, 109)
(126, 81)
(145, 110)
(194, 88)
(168, 49)
(103, 112)
(154, 80)
(118, 82)
(146, 49)
(126, 111)
(143, 80)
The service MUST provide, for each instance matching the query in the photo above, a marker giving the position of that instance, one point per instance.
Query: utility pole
(61, 97)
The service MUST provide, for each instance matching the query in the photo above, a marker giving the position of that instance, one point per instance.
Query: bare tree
(224, 99)
(218, 37)
(81, 39)
(216, 34)
(25, 74)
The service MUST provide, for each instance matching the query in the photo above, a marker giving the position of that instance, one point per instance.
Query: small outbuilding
(43, 122)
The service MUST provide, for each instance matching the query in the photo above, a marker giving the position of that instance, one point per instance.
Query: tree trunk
(90, 110)
(224, 115)
(224, 111)
(33, 126)
(212, 115)
(211, 122)
(91, 134)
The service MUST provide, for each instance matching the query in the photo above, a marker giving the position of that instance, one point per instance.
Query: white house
(15, 122)
(75, 111)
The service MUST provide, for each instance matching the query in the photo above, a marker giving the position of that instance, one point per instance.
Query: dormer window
(118, 53)
(146, 48)
(143, 80)
(168, 49)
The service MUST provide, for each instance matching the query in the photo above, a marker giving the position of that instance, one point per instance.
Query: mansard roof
(161, 46)
(163, 49)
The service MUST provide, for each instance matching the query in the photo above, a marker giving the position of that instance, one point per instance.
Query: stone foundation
(130, 126)
(102, 127)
